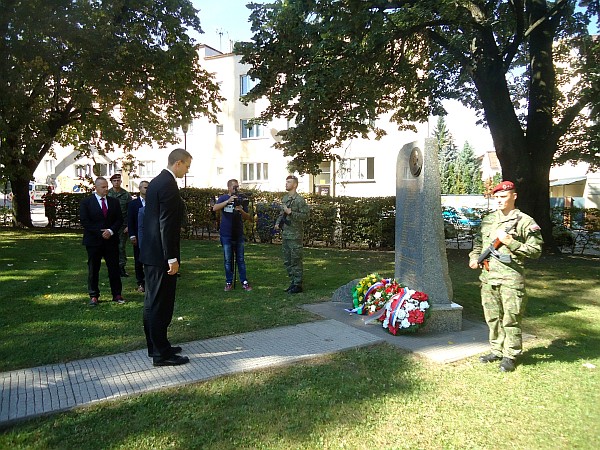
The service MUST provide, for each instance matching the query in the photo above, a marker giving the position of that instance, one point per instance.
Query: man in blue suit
(101, 219)
(133, 208)
(160, 254)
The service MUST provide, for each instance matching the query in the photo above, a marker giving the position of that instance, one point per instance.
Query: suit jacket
(93, 221)
(132, 217)
(140, 235)
(162, 221)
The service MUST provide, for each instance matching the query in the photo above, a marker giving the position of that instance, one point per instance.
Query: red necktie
(104, 208)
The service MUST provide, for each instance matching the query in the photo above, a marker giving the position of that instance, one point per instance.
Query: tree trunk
(21, 202)
(525, 157)
(533, 198)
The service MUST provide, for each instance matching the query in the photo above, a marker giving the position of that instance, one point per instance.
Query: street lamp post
(184, 128)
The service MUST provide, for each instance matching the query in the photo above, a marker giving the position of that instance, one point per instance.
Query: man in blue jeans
(234, 210)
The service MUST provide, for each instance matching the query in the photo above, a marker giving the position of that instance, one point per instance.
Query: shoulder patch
(535, 227)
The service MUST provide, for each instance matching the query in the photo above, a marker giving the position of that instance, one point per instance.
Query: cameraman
(234, 210)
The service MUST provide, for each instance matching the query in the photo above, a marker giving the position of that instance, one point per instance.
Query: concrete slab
(441, 347)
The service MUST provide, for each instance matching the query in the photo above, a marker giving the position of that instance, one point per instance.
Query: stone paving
(41, 390)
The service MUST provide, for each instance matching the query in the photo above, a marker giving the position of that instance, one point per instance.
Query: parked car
(461, 218)
(468, 217)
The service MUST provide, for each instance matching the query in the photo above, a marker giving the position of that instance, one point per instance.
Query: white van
(37, 191)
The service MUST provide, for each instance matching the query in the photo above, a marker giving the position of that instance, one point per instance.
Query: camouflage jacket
(527, 243)
(124, 198)
(293, 224)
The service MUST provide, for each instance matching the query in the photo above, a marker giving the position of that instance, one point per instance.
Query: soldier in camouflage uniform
(502, 279)
(124, 198)
(294, 212)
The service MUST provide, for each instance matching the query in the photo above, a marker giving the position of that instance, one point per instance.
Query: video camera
(242, 198)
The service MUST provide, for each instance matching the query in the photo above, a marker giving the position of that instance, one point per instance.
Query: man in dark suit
(101, 218)
(133, 208)
(160, 254)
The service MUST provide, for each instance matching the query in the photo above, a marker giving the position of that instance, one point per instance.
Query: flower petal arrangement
(372, 293)
(401, 310)
(406, 312)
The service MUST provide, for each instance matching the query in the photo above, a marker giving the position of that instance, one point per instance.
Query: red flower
(421, 296)
(416, 316)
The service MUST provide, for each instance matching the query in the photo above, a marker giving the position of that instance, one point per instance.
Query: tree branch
(569, 116)
(390, 4)
(513, 47)
(452, 49)
(548, 16)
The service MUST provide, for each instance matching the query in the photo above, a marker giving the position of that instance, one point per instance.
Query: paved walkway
(41, 390)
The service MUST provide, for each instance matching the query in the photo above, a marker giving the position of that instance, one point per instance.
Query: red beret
(503, 186)
(115, 176)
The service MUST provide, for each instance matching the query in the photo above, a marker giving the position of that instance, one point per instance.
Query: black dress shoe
(289, 287)
(174, 360)
(123, 273)
(490, 357)
(174, 351)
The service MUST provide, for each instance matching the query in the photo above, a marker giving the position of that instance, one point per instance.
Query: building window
(83, 170)
(248, 131)
(100, 169)
(252, 172)
(357, 169)
(246, 84)
(49, 166)
(219, 129)
(146, 169)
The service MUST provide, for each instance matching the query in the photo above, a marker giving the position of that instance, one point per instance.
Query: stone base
(444, 318)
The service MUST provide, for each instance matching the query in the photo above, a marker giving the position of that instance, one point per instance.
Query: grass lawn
(377, 397)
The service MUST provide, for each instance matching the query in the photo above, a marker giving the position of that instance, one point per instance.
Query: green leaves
(109, 73)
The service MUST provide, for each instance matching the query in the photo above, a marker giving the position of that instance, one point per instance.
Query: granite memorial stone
(421, 261)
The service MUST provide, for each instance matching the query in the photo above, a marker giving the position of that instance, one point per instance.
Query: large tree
(95, 74)
(530, 66)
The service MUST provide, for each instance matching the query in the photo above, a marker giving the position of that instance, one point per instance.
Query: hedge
(334, 221)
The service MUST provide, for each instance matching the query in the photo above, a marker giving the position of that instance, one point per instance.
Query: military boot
(295, 289)
(507, 365)
(490, 357)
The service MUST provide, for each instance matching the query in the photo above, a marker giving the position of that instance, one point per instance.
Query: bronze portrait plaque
(415, 162)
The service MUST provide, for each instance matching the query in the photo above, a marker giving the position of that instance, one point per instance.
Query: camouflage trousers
(503, 308)
(123, 238)
(292, 259)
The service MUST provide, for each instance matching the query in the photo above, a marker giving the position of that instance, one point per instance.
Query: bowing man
(160, 254)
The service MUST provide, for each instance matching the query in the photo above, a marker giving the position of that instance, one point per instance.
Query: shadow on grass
(564, 350)
(538, 307)
(282, 407)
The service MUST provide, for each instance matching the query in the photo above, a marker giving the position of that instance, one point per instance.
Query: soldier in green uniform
(516, 237)
(124, 198)
(294, 212)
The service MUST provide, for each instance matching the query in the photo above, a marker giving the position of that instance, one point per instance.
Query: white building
(230, 149)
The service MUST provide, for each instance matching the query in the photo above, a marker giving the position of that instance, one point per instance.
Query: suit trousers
(159, 303)
(139, 267)
(110, 252)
